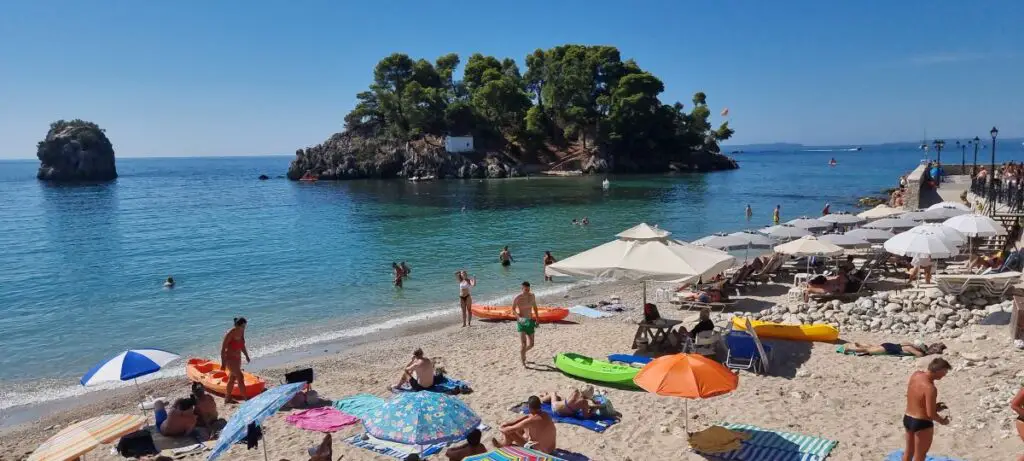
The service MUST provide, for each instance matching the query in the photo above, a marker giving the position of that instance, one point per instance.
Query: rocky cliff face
(74, 151)
(349, 156)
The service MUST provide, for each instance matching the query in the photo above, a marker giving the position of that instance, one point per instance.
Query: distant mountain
(1012, 144)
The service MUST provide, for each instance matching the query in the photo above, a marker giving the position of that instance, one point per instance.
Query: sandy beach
(857, 401)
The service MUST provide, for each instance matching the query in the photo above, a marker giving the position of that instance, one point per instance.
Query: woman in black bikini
(465, 297)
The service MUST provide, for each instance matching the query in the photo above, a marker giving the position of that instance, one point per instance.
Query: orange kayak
(212, 377)
(547, 314)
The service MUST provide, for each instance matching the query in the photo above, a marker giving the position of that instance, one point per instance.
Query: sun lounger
(861, 290)
(722, 306)
(769, 444)
(743, 354)
(989, 284)
(770, 269)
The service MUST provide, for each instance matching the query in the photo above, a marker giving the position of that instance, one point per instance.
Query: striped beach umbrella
(513, 454)
(128, 365)
(83, 436)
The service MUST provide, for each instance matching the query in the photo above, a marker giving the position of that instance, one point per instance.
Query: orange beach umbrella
(689, 376)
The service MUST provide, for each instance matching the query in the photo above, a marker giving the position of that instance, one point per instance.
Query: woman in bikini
(465, 297)
(231, 351)
(548, 260)
(579, 402)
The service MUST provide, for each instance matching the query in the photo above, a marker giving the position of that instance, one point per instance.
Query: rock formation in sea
(74, 151)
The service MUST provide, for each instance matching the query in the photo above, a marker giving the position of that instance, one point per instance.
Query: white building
(455, 144)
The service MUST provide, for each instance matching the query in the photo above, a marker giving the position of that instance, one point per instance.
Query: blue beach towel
(630, 359)
(596, 424)
(588, 312)
(359, 405)
(769, 445)
(444, 385)
(898, 456)
(393, 449)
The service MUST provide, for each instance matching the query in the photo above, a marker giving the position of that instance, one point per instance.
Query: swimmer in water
(586, 221)
(574, 221)
(405, 269)
(505, 257)
(398, 274)
(169, 283)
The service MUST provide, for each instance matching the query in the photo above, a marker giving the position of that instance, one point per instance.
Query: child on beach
(525, 308)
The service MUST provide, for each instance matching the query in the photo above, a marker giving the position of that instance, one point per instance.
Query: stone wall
(912, 197)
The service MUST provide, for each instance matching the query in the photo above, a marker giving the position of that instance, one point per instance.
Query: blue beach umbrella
(421, 418)
(128, 365)
(254, 410)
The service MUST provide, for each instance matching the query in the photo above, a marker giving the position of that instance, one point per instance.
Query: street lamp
(992, 174)
(963, 156)
(939, 144)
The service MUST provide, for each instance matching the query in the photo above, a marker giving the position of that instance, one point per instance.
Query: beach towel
(841, 349)
(393, 449)
(588, 312)
(324, 419)
(596, 424)
(766, 444)
(630, 359)
(444, 385)
(358, 405)
(898, 456)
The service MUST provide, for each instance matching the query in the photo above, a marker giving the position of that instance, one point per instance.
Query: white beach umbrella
(644, 253)
(920, 244)
(722, 241)
(845, 241)
(917, 215)
(942, 214)
(893, 224)
(809, 246)
(843, 219)
(975, 225)
(784, 232)
(951, 235)
(954, 205)
(880, 211)
(871, 235)
(810, 224)
(754, 239)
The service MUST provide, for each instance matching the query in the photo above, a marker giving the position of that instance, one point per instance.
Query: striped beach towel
(898, 456)
(769, 445)
(393, 449)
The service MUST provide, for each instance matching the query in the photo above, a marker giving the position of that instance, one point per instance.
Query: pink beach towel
(324, 419)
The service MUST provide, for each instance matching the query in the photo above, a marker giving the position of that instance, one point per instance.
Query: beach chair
(740, 278)
(770, 269)
(706, 343)
(742, 352)
(861, 290)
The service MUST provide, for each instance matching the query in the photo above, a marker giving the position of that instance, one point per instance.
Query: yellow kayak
(824, 333)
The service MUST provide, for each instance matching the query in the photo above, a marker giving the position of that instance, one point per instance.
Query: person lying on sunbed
(988, 262)
(713, 293)
(535, 430)
(579, 402)
(916, 348)
(827, 285)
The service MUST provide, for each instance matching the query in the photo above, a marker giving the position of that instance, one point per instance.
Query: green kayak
(600, 371)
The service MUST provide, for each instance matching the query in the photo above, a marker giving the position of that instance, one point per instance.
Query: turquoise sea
(82, 267)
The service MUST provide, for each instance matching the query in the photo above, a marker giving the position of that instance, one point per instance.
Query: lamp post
(939, 144)
(974, 169)
(992, 174)
(963, 156)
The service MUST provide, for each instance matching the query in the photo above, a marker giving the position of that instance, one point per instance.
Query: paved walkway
(949, 191)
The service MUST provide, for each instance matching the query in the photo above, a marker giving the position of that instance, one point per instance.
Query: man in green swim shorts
(525, 307)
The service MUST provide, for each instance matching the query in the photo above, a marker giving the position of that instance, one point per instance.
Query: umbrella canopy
(880, 211)
(891, 224)
(917, 215)
(513, 454)
(949, 234)
(784, 232)
(128, 365)
(753, 239)
(644, 253)
(845, 241)
(809, 246)
(721, 241)
(690, 376)
(254, 410)
(421, 418)
(81, 437)
(843, 219)
(942, 214)
(810, 224)
(920, 244)
(871, 235)
(953, 205)
(975, 225)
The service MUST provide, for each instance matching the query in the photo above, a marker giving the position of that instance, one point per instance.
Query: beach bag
(137, 444)
(651, 313)
(304, 375)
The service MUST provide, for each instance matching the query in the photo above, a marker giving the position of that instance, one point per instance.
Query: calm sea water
(81, 267)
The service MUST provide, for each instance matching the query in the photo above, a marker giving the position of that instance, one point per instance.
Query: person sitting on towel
(418, 374)
(535, 429)
(206, 408)
(470, 448)
(705, 323)
(181, 420)
(579, 402)
(916, 348)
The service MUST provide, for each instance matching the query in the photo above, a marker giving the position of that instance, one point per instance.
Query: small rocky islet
(76, 151)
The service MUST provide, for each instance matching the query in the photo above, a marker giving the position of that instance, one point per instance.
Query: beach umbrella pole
(686, 415)
(142, 399)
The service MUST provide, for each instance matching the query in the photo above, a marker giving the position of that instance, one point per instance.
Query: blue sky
(191, 77)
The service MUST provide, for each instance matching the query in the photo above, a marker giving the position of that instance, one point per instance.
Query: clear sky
(190, 77)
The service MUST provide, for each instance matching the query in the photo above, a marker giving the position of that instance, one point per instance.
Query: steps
(998, 243)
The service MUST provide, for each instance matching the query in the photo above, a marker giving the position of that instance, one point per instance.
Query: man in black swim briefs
(505, 257)
(922, 410)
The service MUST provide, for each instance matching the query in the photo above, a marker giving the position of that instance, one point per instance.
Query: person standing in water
(923, 410)
(750, 212)
(505, 257)
(825, 211)
(231, 351)
(405, 269)
(775, 214)
(525, 308)
(398, 273)
(548, 260)
(465, 297)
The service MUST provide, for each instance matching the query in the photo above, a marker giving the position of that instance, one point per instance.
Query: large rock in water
(74, 151)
